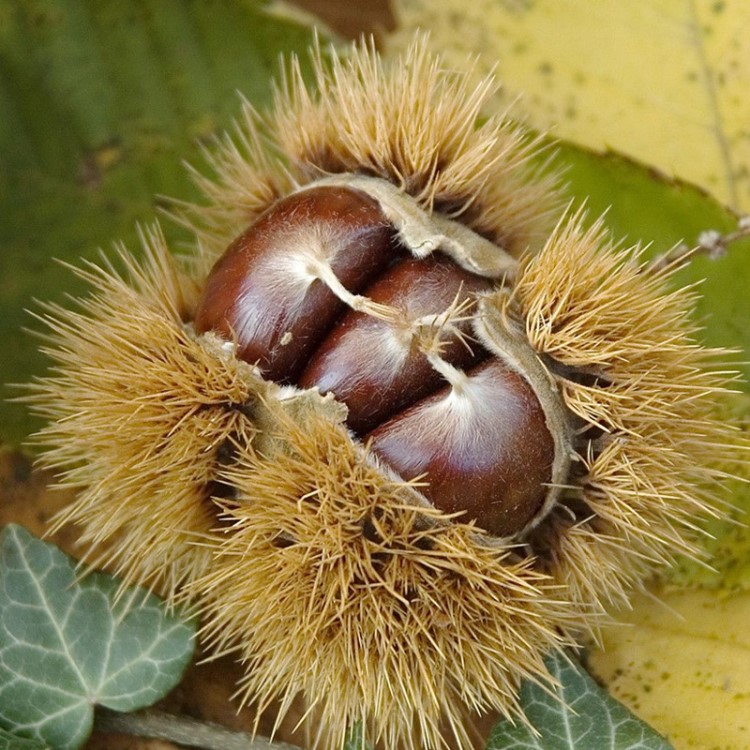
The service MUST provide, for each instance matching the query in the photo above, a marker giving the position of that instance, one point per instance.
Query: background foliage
(101, 102)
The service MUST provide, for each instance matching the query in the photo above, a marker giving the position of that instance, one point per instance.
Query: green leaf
(356, 739)
(579, 715)
(10, 741)
(644, 206)
(67, 645)
(101, 103)
(726, 542)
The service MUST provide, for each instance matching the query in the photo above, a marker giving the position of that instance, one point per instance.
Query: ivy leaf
(579, 715)
(67, 645)
(10, 741)
(356, 739)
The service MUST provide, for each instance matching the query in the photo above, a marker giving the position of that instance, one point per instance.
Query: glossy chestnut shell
(320, 292)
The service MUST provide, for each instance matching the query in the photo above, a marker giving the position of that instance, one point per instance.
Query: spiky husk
(372, 606)
(304, 556)
(621, 345)
(408, 121)
(139, 414)
(321, 571)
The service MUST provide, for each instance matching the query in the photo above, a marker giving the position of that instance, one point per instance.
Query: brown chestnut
(266, 290)
(376, 366)
(482, 445)
(320, 292)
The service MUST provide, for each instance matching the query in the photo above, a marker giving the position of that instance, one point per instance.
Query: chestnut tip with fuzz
(376, 365)
(482, 444)
(269, 289)
(321, 292)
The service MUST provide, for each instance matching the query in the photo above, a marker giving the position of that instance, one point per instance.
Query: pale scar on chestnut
(319, 292)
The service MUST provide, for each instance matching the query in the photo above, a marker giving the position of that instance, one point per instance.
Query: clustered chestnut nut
(320, 292)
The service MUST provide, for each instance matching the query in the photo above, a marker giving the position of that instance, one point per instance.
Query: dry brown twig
(710, 243)
(182, 730)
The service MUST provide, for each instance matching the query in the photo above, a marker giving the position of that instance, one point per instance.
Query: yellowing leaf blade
(683, 665)
(664, 82)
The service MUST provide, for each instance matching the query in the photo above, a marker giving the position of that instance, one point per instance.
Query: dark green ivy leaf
(578, 715)
(10, 741)
(68, 644)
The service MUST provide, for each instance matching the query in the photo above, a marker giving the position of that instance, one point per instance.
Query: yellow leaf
(664, 81)
(682, 664)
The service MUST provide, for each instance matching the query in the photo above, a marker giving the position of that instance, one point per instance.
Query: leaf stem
(181, 730)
